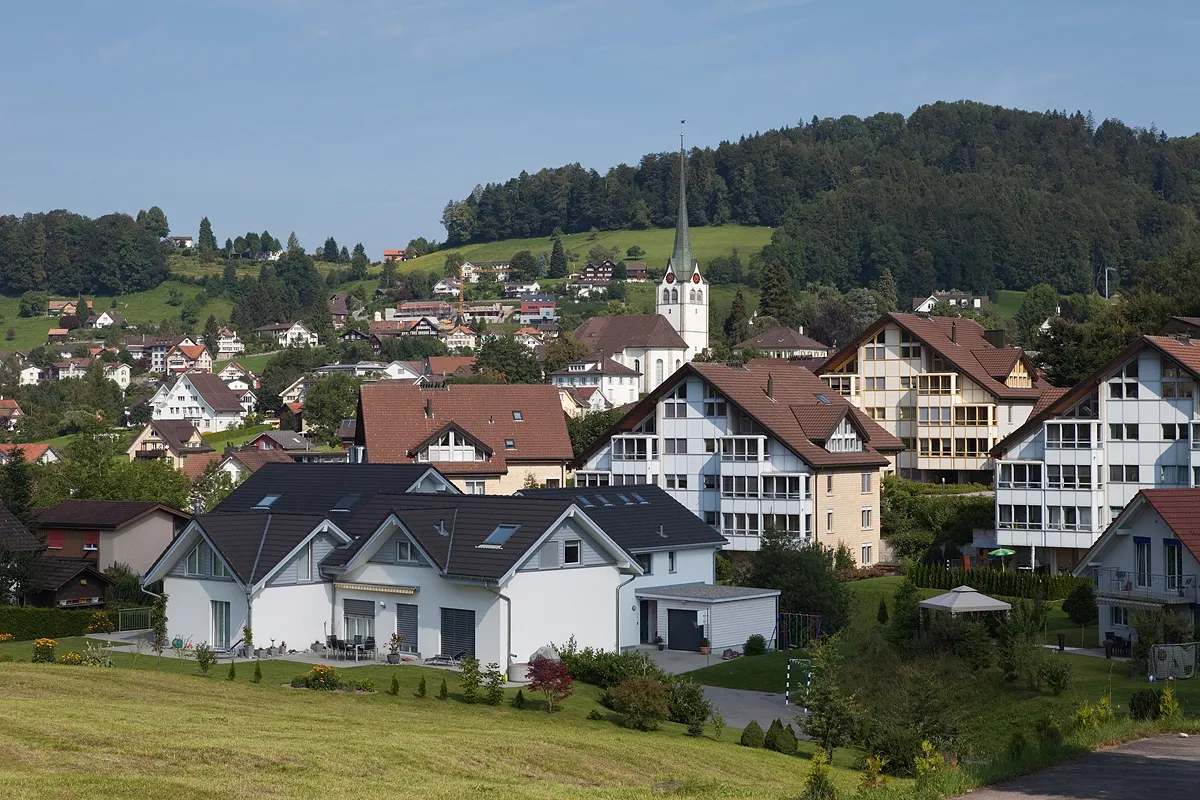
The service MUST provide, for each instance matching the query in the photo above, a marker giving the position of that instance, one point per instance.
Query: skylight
(266, 502)
(501, 535)
(641, 500)
(347, 502)
(510, 444)
(625, 500)
(584, 501)
(603, 499)
(824, 399)
(518, 416)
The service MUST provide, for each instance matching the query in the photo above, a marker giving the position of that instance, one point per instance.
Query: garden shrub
(6, 637)
(642, 702)
(395, 687)
(443, 691)
(257, 673)
(1144, 704)
(232, 674)
(606, 668)
(72, 658)
(469, 679)
(1089, 716)
(299, 682)
(752, 735)
(718, 723)
(873, 777)
(493, 681)
(1168, 704)
(365, 685)
(785, 741)
(595, 714)
(756, 645)
(695, 728)
(881, 615)
(927, 765)
(323, 678)
(1057, 675)
(1050, 732)
(43, 651)
(518, 700)
(1016, 746)
(685, 700)
(6, 658)
(100, 623)
(995, 581)
(773, 731)
(27, 622)
(94, 655)
(819, 784)
(552, 678)
(421, 688)
(205, 657)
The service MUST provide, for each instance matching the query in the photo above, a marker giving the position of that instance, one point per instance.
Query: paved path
(1162, 768)
(739, 706)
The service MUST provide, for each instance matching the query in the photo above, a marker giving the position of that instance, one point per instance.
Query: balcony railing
(1163, 588)
(744, 448)
(635, 448)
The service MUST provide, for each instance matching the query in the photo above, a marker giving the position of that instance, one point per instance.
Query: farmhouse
(200, 398)
(289, 334)
(781, 342)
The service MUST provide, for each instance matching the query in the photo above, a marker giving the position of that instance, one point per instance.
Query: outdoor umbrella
(1002, 551)
(964, 600)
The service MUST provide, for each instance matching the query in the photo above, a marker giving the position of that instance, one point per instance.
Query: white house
(237, 377)
(106, 319)
(228, 343)
(29, 375)
(119, 373)
(783, 342)
(303, 552)
(747, 446)
(960, 300)
(460, 337)
(295, 392)
(618, 384)
(1149, 557)
(1085, 453)
(446, 287)
(200, 398)
(646, 343)
(290, 334)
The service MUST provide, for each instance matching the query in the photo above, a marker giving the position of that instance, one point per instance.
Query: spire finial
(681, 255)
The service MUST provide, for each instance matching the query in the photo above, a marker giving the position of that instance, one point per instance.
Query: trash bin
(1108, 644)
(1062, 642)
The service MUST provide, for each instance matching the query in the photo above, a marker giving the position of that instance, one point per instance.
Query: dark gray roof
(634, 516)
(53, 572)
(14, 536)
(100, 514)
(704, 592)
(317, 488)
(254, 542)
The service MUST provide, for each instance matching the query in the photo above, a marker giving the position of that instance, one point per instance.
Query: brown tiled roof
(175, 432)
(959, 341)
(193, 351)
(799, 408)
(14, 536)
(1177, 507)
(998, 363)
(609, 335)
(54, 571)
(214, 391)
(607, 367)
(194, 465)
(393, 421)
(1049, 395)
(781, 337)
(33, 451)
(252, 458)
(97, 514)
(448, 365)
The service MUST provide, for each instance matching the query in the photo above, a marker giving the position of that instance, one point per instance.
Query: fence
(133, 619)
(994, 581)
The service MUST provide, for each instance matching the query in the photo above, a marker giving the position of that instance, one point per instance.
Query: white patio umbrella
(965, 600)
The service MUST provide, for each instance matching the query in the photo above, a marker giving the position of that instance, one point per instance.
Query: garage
(726, 615)
(684, 630)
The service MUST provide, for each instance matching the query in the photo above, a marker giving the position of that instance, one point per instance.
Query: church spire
(681, 256)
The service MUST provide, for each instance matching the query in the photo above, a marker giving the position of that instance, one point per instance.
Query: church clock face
(670, 277)
(695, 277)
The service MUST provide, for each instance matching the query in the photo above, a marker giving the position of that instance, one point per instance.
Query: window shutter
(458, 631)
(359, 608)
(406, 626)
(54, 540)
(549, 556)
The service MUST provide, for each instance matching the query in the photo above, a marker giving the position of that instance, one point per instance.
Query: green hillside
(657, 242)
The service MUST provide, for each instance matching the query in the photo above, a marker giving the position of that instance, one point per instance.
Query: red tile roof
(448, 365)
(193, 352)
(393, 421)
(1177, 507)
(782, 337)
(195, 464)
(33, 451)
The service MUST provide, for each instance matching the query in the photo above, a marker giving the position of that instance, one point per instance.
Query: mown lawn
(1009, 302)
(154, 733)
(255, 363)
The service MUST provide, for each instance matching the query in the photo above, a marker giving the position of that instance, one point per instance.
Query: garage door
(458, 632)
(683, 632)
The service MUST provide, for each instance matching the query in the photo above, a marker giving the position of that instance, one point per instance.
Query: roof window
(498, 537)
(265, 503)
(641, 500)
(584, 501)
(346, 503)
(510, 444)
(824, 399)
(518, 416)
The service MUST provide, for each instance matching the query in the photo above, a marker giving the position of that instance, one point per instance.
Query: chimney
(800, 330)
(428, 408)
(953, 332)
(770, 386)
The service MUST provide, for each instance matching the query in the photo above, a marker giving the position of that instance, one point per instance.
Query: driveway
(1163, 767)
(739, 706)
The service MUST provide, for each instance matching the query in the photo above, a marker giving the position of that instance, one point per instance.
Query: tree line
(959, 195)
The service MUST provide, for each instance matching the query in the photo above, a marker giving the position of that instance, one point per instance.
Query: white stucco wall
(691, 566)
(138, 544)
(189, 610)
(553, 605)
(298, 615)
(730, 624)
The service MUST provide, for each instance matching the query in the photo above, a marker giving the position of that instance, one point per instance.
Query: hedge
(26, 623)
(994, 581)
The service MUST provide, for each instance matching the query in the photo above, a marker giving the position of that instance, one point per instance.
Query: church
(655, 345)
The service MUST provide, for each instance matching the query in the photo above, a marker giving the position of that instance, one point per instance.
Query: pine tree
(395, 690)
(293, 242)
(421, 688)
(16, 488)
(777, 298)
(558, 261)
(208, 242)
(737, 324)
(887, 293)
(211, 334)
(232, 674)
(882, 614)
(343, 255)
(359, 262)
(257, 672)
(443, 691)
(329, 253)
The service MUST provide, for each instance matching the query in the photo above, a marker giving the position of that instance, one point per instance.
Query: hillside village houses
(156, 348)
(446, 287)
(460, 337)
(747, 446)
(10, 413)
(228, 343)
(200, 398)
(35, 453)
(289, 334)
(487, 439)
(1084, 453)
(945, 387)
(185, 358)
(175, 440)
(105, 319)
(598, 383)
(305, 553)
(119, 373)
(238, 378)
(782, 342)
(956, 299)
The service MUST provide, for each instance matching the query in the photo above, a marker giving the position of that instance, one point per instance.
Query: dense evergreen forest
(957, 195)
(69, 254)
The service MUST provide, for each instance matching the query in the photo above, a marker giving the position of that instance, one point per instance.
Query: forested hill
(957, 195)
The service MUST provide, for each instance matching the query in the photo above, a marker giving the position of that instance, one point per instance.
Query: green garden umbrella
(1002, 551)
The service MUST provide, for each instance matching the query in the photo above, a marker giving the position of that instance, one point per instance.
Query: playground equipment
(804, 679)
(795, 630)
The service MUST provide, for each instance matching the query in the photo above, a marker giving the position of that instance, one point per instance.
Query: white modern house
(228, 343)
(1085, 453)
(29, 375)
(303, 552)
(289, 334)
(1148, 557)
(202, 399)
(119, 373)
(616, 383)
(747, 446)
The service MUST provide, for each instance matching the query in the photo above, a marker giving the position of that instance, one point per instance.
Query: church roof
(606, 336)
(681, 255)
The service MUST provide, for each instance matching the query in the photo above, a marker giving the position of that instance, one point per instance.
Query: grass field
(149, 733)
(254, 363)
(1009, 302)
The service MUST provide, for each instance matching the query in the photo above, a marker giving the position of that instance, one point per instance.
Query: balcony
(744, 448)
(149, 454)
(1124, 584)
(635, 448)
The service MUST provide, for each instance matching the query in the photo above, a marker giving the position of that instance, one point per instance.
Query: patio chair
(369, 646)
(339, 646)
(330, 645)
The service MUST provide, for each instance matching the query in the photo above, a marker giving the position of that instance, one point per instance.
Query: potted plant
(704, 646)
(271, 650)
(248, 639)
(658, 640)
(393, 656)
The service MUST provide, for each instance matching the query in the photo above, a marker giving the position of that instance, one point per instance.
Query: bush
(43, 651)
(1144, 704)
(299, 682)
(718, 723)
(1089, 716)
(819, 785)
(773, 731)
(642, 702)
(752, 735)
(205, 657)
(1050, 732)
(756, 645)
(443, 691)
(1057, 675)
(6, 637)
(232, 674)
(365, 685)
(100, 623)
(995, 581)
(518, 700)
(493, 681)
(72, 659)
(686, 701)
(595, 714)
(323, 678)
(1168, 704)
(469, 679)
(552, 678)
(26, 622)
(785, 741)
(881, 616)
(927, 765)
(395, 687)
(421, 688)
(6, 658)
(695, 728)
(1016, 746)
(257, 673)
(1080, 605)
(606, 668)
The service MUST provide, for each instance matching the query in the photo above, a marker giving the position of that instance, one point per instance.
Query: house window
(1141, 560)
(1021, 476)
(739, 486)
(646, 562)
(864, 559)
(714, 403)
(675, 403)
(591, 479)
(878, 413)
(829, 484)
(1019, 517)
(866, 519)
(475, 487)
(876, 351)
(866, 483)
(1128, 473)
(219, 568)
(1122, 432)
(518, 416)
(509, 444)
(1119, 616)
(304, 564)
(573, 552)
(910, 346)
(677, 481)
(710, 445)
(405, 551)
(907, 413)
(195, 562)
(670, 561)
(1172, 562)
(91, 540)
(829, 521)
(675, 447)
(220, 624)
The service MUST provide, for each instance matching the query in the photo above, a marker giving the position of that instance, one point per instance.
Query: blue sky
(361, 118)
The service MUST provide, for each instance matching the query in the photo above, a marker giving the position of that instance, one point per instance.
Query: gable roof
(100, 514)
(961, 343)
(609, 335)
(214, 391)
(176, 432)
(794, 414)
(640, 519)
(1177, 507)
(395, 417)
(195, 465)
(33, 450)
(254, 459)
(782, 337)
(55, 571)
(317, 488)
(604, 366)
(254, 543)
(287, 439)
(14, 536)
(191, 351)
(448, 365)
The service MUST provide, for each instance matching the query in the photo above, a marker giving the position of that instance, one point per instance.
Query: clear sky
(361, 118)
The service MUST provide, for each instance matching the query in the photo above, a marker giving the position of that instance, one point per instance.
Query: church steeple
(681, 256)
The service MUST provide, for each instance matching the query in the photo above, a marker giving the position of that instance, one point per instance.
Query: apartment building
(747, 446)
(948, 389)
(1083, 456)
